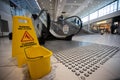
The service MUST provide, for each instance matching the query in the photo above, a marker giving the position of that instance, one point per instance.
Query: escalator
(63, 29)
(42, 25)
(46, 29)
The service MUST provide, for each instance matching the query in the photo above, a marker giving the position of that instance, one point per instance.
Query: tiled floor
(106, 39)
(109, 71)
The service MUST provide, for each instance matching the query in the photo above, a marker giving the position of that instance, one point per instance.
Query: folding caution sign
(26, 49)
(24, 36)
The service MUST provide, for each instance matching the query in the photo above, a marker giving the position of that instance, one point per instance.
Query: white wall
(6, 14)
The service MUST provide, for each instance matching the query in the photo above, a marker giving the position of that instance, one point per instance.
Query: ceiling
(30, 5)
(80, 8)
(72, 7)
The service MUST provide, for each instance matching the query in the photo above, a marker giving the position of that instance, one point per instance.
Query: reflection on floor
(90, 57)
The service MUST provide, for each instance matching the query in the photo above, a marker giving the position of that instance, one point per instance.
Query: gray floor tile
(86, 44)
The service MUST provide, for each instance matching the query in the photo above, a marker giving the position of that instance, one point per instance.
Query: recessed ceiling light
(50, 0)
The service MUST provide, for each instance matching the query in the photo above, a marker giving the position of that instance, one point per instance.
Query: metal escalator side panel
(59, 29)
(56, 35)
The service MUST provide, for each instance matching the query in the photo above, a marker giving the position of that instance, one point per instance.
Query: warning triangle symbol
(27, 37)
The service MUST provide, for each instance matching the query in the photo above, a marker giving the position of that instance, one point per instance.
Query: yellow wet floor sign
(27, 37)
(24, 36)
(26, 49)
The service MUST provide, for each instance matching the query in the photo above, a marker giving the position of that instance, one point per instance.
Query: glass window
(115, 6)
(17, 12)
(94, 15)
(101, 12)
(13, 10)
(107, 9)
(85, 19)
(104, 11)
(119, 5)
(111, 8)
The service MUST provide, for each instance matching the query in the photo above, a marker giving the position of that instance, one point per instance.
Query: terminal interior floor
(87, 57)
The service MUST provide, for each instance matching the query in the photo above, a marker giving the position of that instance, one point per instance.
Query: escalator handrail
(48, 18)
(41, 12)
